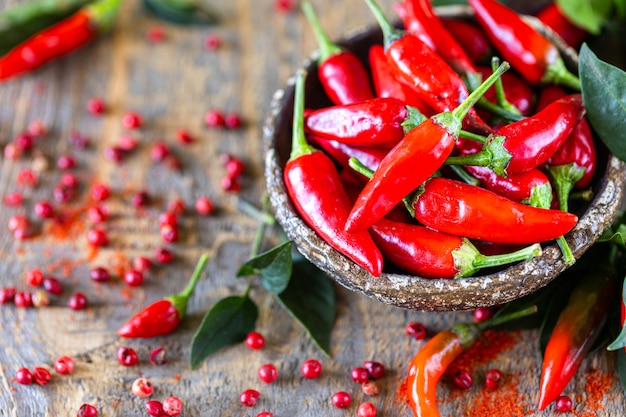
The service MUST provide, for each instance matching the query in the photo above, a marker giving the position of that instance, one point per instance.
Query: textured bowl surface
(413, 292)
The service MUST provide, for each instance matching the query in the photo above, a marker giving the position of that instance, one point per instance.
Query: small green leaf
(620, 6)
(273, 267)
(310, 299)
(227, 323)
(589, 15)
(604, 93)
(183, 11)
(617, 237)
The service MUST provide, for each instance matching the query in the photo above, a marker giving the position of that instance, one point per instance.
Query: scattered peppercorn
(163, 255)
(41, 375)
(360, 375)
(492, 378)
(44, 209)
(100, 192)
(77, 301)
(127, 356)
(155, 408)
(95, 106)
(64, 365)
(341, 399)
(66, 162)
(40, 299)
(248, 397)
(23, 299)
(563, 404)
(34, 277)
(133, 278)
(366, 409)
(311, 369)
(142, 264)
(255, 340)
(462, 379)
(131, 120)
(375, 369)
(142, 387)
(416, 330)
(172, 406)
(87, 410)
(268, 373)
(97, 237)
(370, 388)
(7, 294)
(214, 118)
(212, 42)
(23, 376)
(52, 285)
(204, 206)
(157, 356)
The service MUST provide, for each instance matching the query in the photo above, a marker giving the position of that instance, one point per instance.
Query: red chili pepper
(461, 209)
(433, 359)
(576, 330)
(552, 17)
(529, 52)
(59, 39)
(387, 85)
(424, 70)
(342, 74)
(528, 143)
(471, 38)
(413, 160)
(314, 186)
(432, 254)
(341, 153)
(163, 317)
(573, 165)
(375, 122)
(531, 187)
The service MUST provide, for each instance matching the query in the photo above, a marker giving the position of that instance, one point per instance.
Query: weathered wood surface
(172, 84)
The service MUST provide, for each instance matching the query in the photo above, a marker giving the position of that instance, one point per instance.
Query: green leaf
(617, 237)
(590, 15)
(620, 6)
(310, 299)
(23, 20)
(226, 324)
(604, 93)
(183, 11)
(273, 267)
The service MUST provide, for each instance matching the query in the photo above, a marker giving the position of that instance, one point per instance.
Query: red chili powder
(490, 344)
(68, 225)
(597, 385)
(504, 401)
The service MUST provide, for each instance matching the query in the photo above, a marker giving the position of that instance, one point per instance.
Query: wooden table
(172, 84)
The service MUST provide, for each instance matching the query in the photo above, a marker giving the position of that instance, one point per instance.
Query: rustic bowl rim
(416, 293)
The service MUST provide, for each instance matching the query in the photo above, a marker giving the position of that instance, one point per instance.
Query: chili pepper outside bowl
(409, 291)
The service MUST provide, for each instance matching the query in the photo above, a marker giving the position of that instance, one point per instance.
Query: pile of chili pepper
(413, 125)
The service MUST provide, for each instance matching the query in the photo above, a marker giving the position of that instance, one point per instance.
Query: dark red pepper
(461, 209)
(424, 70)
(413, 160)
(471, 38)
(531, 187)
(573, 165)
(430, 254)
(341, 153)
(578, 327)
(433, 359)
(528, 51)
(387, 85)
(375, 122)
(517, 91)
(163, 317)
(552, 17)
(59, 39)
(342, 74)
(315, 189)
(529, 143)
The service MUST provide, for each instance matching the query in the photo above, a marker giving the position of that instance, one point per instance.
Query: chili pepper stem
(469, 332)
(390, 33)
(261, 215)
(464, 175)
(326, 46)
(584, 195)
(540, 196)
(299, 145)
(501, 99)
(102, 13)
(473, 136)
(492, 155)
(558, 73)
(568, 256)
(416, 117)
(180, 300)
(467, 259)
(564, 177)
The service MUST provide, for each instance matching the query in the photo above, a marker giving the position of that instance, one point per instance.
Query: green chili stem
(472, 136)
(299, 145)
(326, 46)
(390, 33)
(485, 261)
(261, 215)
(461, 111)
(568, 256)
(464, 175)
(102, 13)
(195, 277)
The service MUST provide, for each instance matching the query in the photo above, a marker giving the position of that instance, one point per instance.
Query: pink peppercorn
(370, 388)
(249, 397)
(168, 219)
(34, 277)
(97, 237)
(77, 301)
(23, 376)
(416, 330)
(66, 162)
(212, 42)
(176, 206)
(133, 278)
(284, 6)
(184, 137)
(366, 409)
(23, 299)
(311, 369)
(230, 184)
(36, 128)
(169, 234)
(492, 378)
(140, 199)
(265, 414)
(563, 404)
(95, 106)
(131, 120)
(52, 285)
(114, 154)
(155, 34)
(142, 264)
(78, 140)
(234, 167)
(13, 199)
(341, 399)
(24, 141)
(127, 356)
(159, 151)
(127, 143)
(164, 256)
(232, 120)
(462, 379)
(172, 406)
(154, 408)
(87, 410)
(99, 274)
(157, 356)
(483, 313)
(255, 341)
(64, 365)
(63, 193)
(142, 387)
(40, 299)
(204, 206)
(41, 375)
(43, 209)
(100, 192)
(268, 373)
(98, 213)
(7, 294)
(68, 180)
(359, 375)
(214, 118)
(12, 151)
(18, 221)
(375, 369)
(27, 178)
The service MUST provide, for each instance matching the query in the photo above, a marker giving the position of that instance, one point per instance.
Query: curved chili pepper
(471, 38)
(576, 330)
(375, 122)
(163, 317)
(59, 39)
(552, 17)
(529, 52)
(526, 144)
(531, 187)
(387, 85)
(461, 209)
(413, 160)
(315, 189)
(341, 153)
(425, 71)
(432, 254)
(433, 359)
(342, 74)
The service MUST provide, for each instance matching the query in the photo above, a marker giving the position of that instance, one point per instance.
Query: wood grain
(172, 84)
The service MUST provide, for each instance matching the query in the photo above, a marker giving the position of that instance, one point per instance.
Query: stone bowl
(409, 291)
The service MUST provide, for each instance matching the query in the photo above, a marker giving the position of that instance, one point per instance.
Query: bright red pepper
(315, 189)
(342, 74)
(163, 317)
(576, 330)
(413, 160)
(461, 209)
(375, 122)
(528, 51)
(573, 165)
(526, 144)
(471, 38)
(59, 39)
(531, 187)
(424, 70)
(433, 359)
(387, 85)
(552, 17)
(430, 254)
